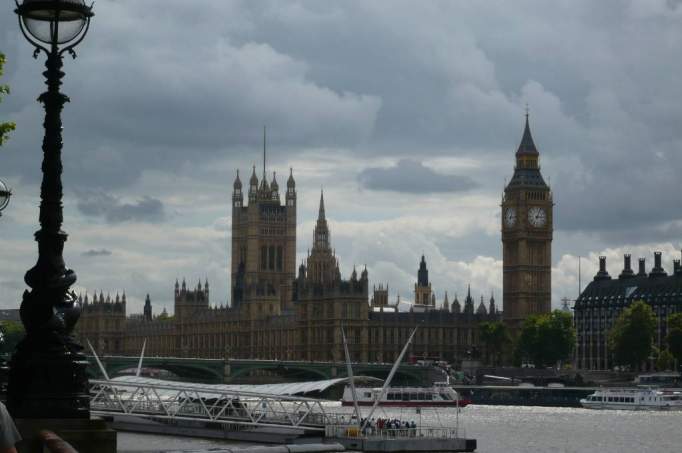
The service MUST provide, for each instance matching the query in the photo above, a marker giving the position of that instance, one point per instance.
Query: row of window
(410, 396)
(612, 399)
(271, 257)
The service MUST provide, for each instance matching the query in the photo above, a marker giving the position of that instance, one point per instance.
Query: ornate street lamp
(5, 194)
(47, 372)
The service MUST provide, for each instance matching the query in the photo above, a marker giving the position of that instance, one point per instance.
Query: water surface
(506, 429)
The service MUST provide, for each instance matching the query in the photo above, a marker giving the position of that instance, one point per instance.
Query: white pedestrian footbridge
(275, 405)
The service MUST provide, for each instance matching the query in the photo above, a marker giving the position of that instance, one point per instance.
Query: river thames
(508, 429)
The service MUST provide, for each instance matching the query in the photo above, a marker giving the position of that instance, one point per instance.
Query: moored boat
(634, 399)
(440, 394)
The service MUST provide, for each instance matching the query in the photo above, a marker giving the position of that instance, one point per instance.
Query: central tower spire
(321, 228)
(321, 214)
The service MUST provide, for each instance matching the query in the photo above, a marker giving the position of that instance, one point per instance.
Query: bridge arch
(190, 370)
(239, 370)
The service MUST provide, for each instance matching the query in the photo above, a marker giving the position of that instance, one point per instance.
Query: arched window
(263, 257)
(271, 257)
(279, 258)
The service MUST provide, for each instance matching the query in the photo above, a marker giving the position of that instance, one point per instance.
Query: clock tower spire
(526, 237)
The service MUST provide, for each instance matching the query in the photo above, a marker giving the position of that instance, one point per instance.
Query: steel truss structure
(171, 401)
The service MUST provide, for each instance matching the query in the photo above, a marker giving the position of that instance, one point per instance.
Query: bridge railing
(191, 402)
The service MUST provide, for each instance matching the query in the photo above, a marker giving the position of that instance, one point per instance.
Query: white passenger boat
(441, 394)
(634, 399)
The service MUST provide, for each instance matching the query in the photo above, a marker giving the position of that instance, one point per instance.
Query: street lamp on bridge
(48, 371)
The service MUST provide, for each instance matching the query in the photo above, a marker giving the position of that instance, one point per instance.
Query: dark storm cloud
(413, 177)
(163, 96)
(93, 253)
(99, 204)
(197, 84)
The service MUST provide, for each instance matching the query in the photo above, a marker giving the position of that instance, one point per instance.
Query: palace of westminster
(280, 312)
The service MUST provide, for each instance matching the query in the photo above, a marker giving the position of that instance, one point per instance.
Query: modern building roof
(655, 288)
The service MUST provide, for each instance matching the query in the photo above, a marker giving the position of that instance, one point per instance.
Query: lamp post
(5, 194)
(47, 372)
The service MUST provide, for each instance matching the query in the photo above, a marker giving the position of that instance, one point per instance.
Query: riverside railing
(419, 432)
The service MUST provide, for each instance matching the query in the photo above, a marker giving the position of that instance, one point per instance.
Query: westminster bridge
(243, 371)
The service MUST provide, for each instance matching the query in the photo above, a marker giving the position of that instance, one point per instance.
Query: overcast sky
(407, 113)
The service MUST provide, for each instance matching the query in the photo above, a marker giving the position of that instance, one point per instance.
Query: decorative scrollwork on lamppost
(48, 370)
(5, 195)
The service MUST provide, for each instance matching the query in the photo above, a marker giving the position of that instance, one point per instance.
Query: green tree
(11, 332)
(664, 361)
(630, 338)
(547, 339)
(5, 127)
(674, 338)
(495, 337)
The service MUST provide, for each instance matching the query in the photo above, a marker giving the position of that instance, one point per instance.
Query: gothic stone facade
(278, 313)
(604, 299)
(259, 325)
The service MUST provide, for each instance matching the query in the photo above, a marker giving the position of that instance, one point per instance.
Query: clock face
(537, 216)
(510, 217)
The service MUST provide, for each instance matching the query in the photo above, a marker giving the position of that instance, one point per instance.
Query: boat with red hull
(440, 395)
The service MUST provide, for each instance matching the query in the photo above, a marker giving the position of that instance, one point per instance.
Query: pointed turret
(456, 307)
(469, 302)
(291, 184)
(481, 308)
(527, 145)
(527, 170)
(492, 309)
(423, 273)
(237, 183)
(274, 187)
(321, 229)
(291, 190)
(321, 213)
(237, 195)
(253, 186)
(147, 308)
(446, 304)
(253, 182)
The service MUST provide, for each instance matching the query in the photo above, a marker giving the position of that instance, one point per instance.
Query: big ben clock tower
(526, 237)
